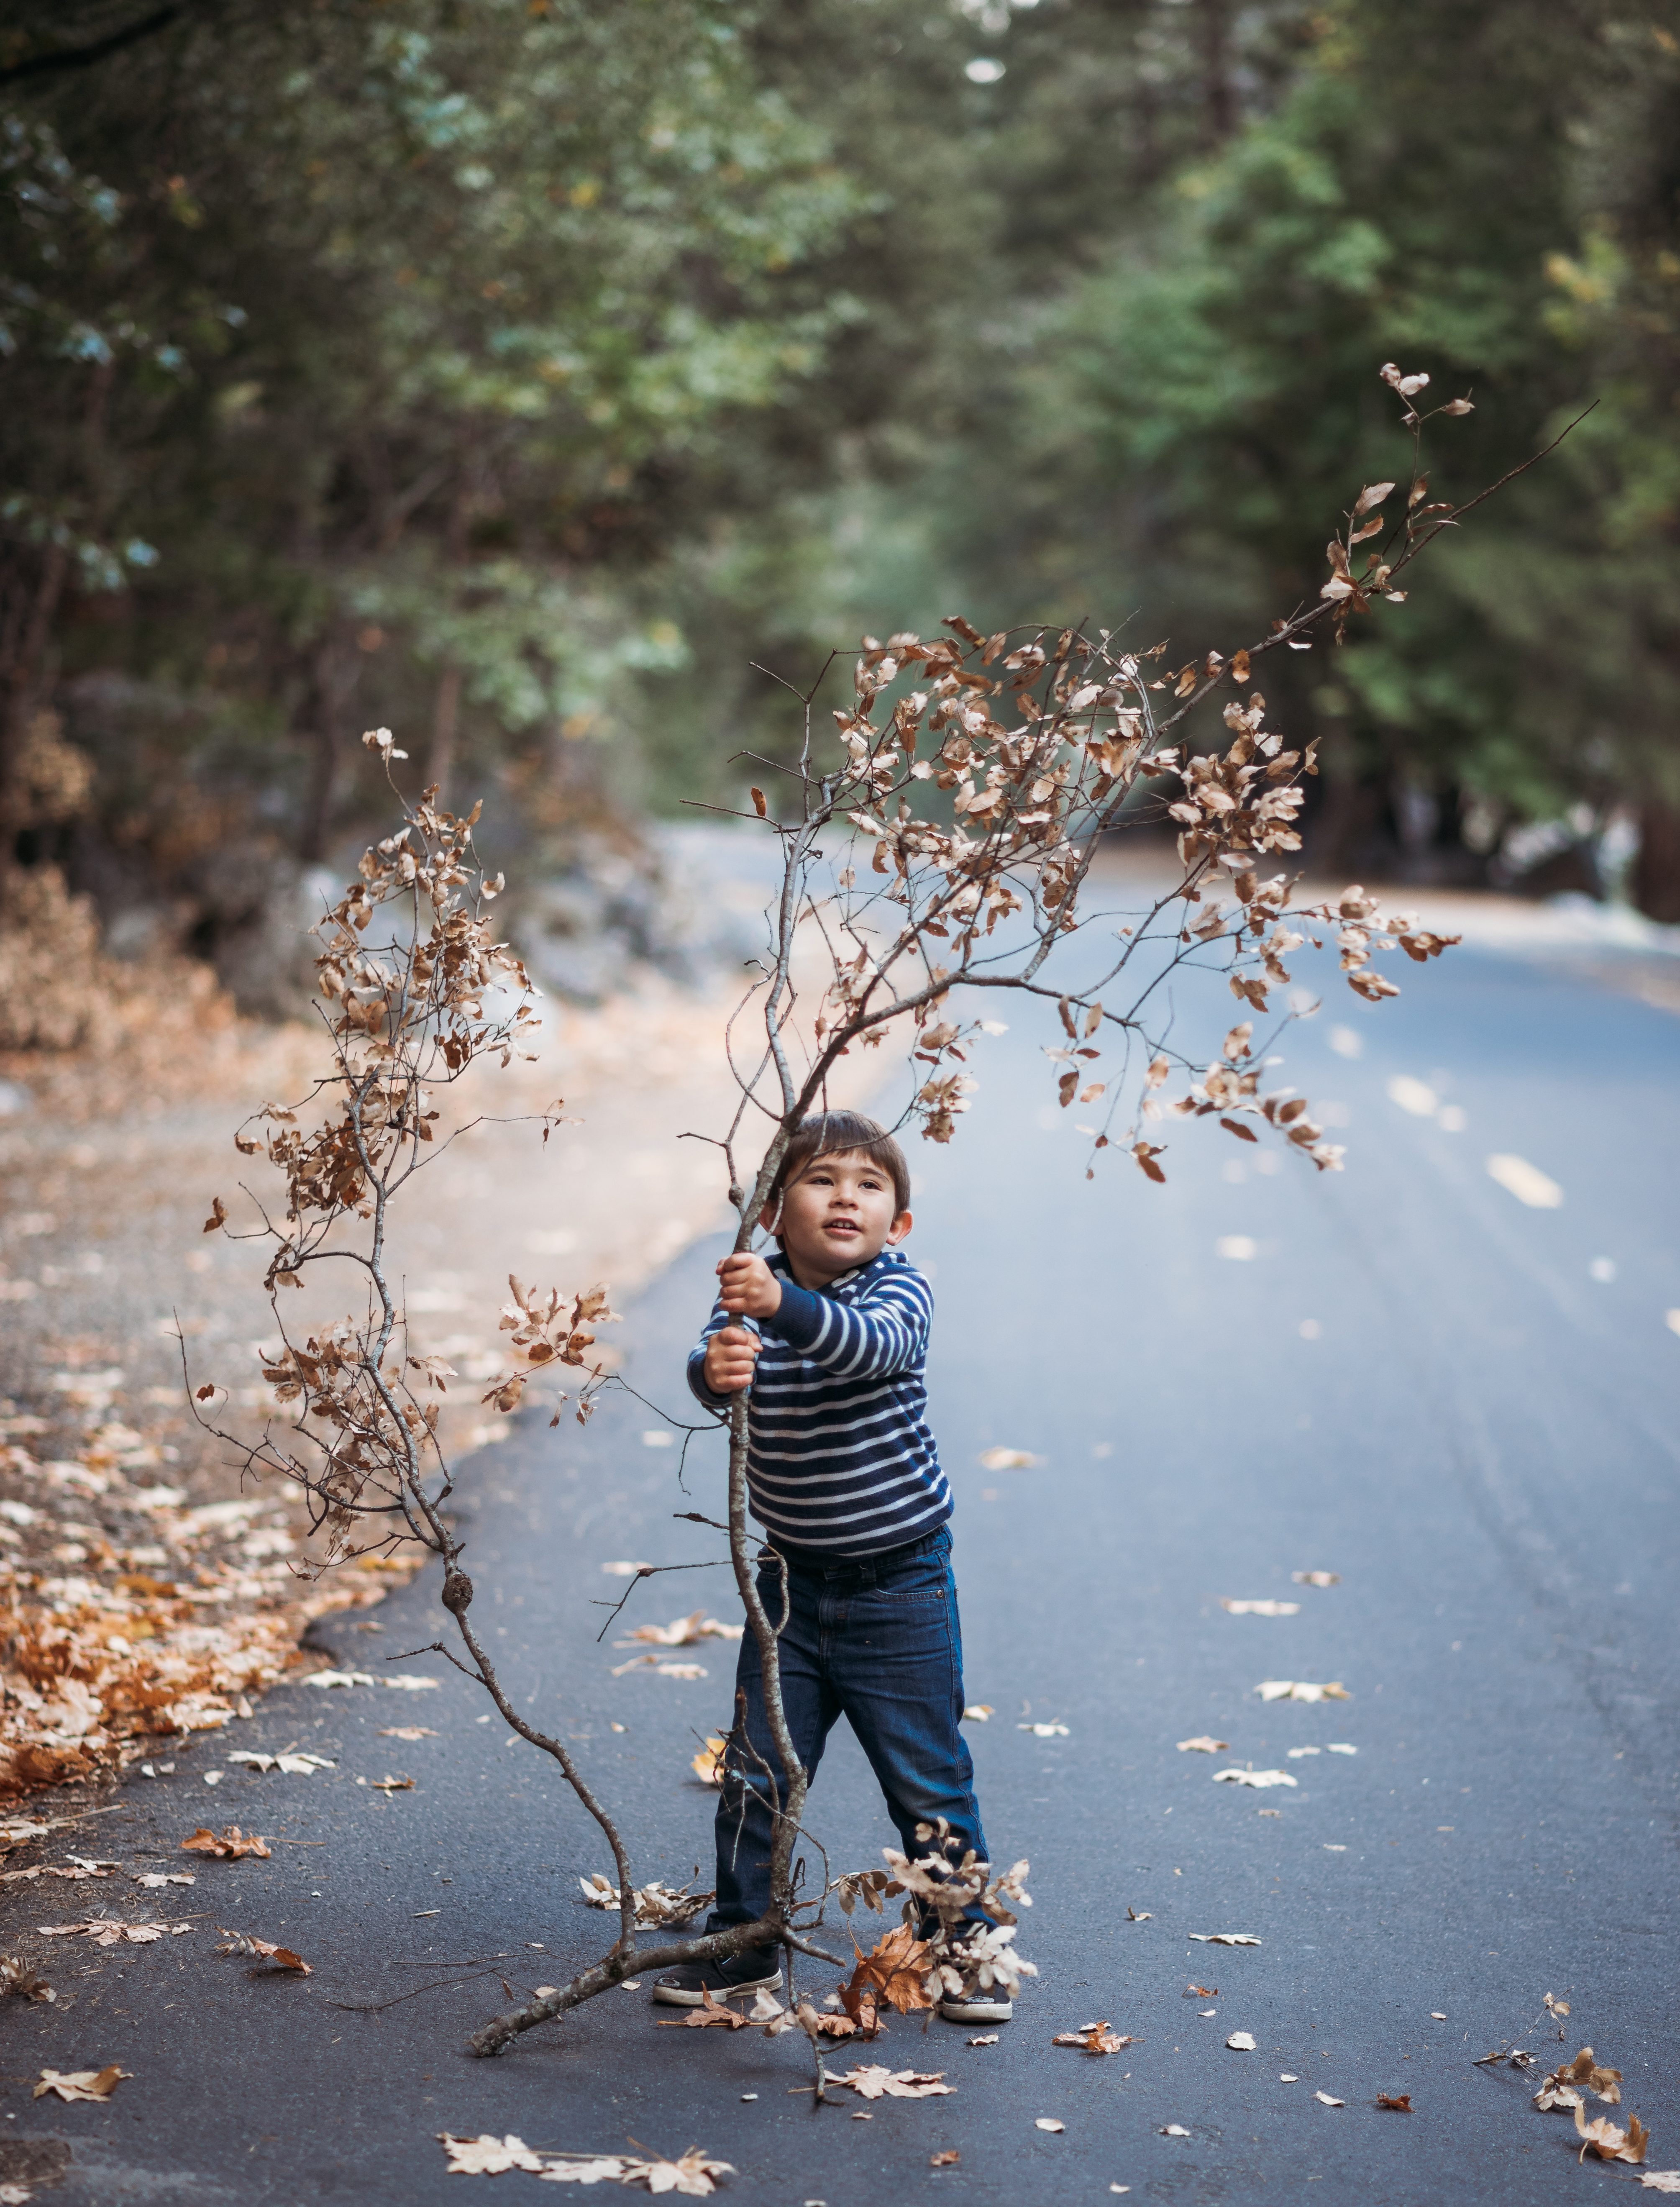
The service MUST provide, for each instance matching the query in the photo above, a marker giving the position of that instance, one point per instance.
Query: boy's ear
(900, 1227)
(770, 1218)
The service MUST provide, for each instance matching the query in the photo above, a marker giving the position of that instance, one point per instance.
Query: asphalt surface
(1410, 1379)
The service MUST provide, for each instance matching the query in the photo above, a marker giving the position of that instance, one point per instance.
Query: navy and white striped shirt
(840, 1458)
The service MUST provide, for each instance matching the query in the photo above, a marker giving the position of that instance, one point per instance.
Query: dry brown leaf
(1298, 1690)
(225, 1845)
(390, 1784)
(1554, 2006)
(1138, 1915)
(240, 1942)
(894, 1971)
(948, 2159)
(407, 1731)
(1660, 2180)
(1224, 1938)
(104, 1932)
(488, 2156)
(876, 2083)
(1201, 1992)
(17, 1977)
(682, 1632)
(1317, 1578)
(82, 2084)
(986, 2038)
(1602, 2138)
(1092, 2038)
(707, 1765)
(658, 1906)
(709, 2013)
(1204, 1743)
(1007, 1459)
(1047, 2123)
(1400, 2102)
(1570, 2080)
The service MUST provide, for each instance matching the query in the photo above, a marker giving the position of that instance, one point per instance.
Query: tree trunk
(446, 713)
(1656, 869)
(20, 687)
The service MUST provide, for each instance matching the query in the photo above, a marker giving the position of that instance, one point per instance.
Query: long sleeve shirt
(840, 1458)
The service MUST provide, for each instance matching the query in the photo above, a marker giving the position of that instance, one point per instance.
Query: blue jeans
(875, 1640)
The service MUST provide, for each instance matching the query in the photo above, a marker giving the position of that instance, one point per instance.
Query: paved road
(1412, 1380)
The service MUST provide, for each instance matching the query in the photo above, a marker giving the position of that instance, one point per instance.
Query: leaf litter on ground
(19, 1977)
(1606, 2141)
(1400, 2102)
(1224, 1938)
(1266, 1608)
(1093, 2038)
(1260, 1777)
(876, 2083)
(710, 2013)
(682, 1632)
(1317, 1578)
(1204, 1743)
(1568, 2083)
(693, 2173)
(261, 1950)
(1299, 1689)
(105, 1931)
(225, 1845)
(1007, 1459)
(80, 2084)
(403, 1731)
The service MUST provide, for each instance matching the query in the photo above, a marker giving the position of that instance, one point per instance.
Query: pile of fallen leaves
(488, 2155)
(130, 1616)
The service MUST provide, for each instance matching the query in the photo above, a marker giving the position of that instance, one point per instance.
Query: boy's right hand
(730, 1357)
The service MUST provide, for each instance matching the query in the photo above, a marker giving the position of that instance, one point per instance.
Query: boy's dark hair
(830, 1133)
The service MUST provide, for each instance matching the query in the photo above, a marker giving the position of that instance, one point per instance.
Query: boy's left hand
(747, 1288)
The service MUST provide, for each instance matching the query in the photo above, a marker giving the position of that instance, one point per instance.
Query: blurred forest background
(517, 373)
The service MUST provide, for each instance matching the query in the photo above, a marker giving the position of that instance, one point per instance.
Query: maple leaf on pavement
(82, 2084)
(876, 2083)
(1602, 2139)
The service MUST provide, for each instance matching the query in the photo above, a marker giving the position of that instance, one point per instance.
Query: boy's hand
(730, 1358)
(747, 1287)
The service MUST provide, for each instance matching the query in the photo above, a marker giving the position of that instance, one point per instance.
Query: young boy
(844, 1476)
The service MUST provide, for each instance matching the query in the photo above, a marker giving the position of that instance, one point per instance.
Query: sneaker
(977, 2008)
(687, 1985)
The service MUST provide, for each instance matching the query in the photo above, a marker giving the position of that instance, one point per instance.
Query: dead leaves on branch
(658, 1906)
(1569, 2084)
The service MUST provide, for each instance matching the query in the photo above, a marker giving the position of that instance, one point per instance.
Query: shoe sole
(679, 1995)
(977, 2011)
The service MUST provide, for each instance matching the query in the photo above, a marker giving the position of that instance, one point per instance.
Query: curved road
(1460, 1403)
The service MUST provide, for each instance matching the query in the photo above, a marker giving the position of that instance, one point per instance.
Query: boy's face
(838, 1214)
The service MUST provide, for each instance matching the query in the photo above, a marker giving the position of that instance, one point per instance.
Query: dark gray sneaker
(687, 1985)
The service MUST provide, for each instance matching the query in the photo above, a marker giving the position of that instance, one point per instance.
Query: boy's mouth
(842, 1226)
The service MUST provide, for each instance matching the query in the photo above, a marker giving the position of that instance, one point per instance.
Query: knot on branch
(458, 1591)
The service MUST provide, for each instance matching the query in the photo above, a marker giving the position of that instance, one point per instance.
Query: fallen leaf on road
(987, 2038)
(390, 1784)
(1092, 2038)
(1007, 1459)
(1139, 1916)
(1201, 1992)
(225, 1845)
(1602, 2138)
(1261, 1778)
(979, 1712)
(1259, 1608)
(876, 2083)
(50, 1869)
(240, 1942)
(894, 1970)
(1204, 1743)
(1241, 2042)
(682, 1632)
(1225, 1938)
(1660, 2180)
(1317, 1578)
(1047, 2123)
(403, 1684)
(947, 2160)
(1173, 2130)
(103, 1932)
(1044, 1730)
(707, 1765)
(708, 2014)
(488, 2156)
(1564, 2087)
(1552, 2007)
(1339, 1747)
(299, 1766)
(1298, 1690)
(1296, 1753)
(656, 1905)
(82, 2084)
(1287, 2077)
(151, 1879)
(17, 1977)
(407, 1731)
(1328, 2100)
(1400, 2102)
